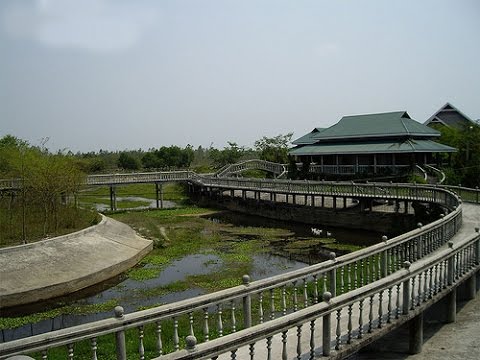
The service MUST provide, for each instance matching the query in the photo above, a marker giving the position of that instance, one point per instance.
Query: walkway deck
(69, 263)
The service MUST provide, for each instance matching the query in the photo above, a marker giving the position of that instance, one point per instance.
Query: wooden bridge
(332, 308)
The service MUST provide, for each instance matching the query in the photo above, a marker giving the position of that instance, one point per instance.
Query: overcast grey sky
(118, 74)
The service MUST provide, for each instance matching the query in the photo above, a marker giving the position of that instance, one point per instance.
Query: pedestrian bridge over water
(329, 309)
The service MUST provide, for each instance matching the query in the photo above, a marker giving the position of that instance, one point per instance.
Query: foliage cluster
(43, 204)
(464, 167)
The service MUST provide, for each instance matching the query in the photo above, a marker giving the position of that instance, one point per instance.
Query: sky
(85, 75)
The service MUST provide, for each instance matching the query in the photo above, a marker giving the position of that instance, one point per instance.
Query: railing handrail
(77, 333)
(258, 332)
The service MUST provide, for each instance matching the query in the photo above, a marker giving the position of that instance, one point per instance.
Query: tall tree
(274, 149)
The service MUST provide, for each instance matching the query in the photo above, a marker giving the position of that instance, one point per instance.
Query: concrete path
(62, 265)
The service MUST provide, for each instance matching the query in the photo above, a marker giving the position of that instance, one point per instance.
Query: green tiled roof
(308, 138)
(382, 125)
(370, 147)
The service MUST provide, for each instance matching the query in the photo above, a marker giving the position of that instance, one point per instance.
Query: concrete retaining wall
(62, 265)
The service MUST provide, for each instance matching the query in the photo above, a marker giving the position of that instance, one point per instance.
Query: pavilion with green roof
(383, 143)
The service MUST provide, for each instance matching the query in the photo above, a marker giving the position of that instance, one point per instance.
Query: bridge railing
(377, 190)
(466, 194)
(252, 164)
(351, 317)
(6, 184)
(213, 315)
(113, 179)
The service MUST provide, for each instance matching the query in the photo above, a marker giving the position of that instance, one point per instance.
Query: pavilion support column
(374, 163)
(356, 164)
(321, 163)
(337, 164)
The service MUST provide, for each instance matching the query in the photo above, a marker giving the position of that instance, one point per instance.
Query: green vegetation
(44, 203)
(464, 167)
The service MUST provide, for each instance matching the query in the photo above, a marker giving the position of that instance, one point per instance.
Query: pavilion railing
(259, 302)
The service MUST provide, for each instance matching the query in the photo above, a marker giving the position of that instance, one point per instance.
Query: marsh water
(134, 295)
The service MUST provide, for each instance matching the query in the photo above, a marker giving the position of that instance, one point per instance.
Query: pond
(289, 247)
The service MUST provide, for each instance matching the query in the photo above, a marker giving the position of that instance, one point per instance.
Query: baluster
(315, 289)
(269, 348)
(176, 340)
(379, 272)
(305, 293)
(295, 300)
(44, 355)
(260, 307)
(284, 300)
(370, 315)
(141, 349)
(272, 304)
(324, 280)
(159, 339)
(398, 310)
(251, 348)
(206, 330)
(367, 275)
(94, 348)
(312, 340)
(233, 354)
(380, 309)
(362, 269)
(190, 320)
(342, 283)
(219, 320)
(299, 342)
(360, 319)
(389, 306)
(419, 295)
(234, 320)
(425, 286)
(284, 345)
(355, 269)
(338, 332)
(70, 351)
(349, 338)
(413, 293)
(348, 278)
(436, 281)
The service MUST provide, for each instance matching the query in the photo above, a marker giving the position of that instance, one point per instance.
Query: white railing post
(406, 290)
(247, 304)
(332, 274)
(326, 326)
(121, 349)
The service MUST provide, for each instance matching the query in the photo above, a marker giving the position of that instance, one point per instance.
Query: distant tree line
(201, 159)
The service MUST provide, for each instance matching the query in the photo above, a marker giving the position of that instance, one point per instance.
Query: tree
(274, 149)
(229, 155)
(128, 162)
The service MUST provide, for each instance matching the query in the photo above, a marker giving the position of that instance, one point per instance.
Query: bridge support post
(334, 199)
(113, 198)
(323, 201)
(416, 334)
(344, 202)
(452, 306)
(159, 195)
(471, 287)
(313, 200)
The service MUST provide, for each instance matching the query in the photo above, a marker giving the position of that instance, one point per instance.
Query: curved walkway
(62, 265)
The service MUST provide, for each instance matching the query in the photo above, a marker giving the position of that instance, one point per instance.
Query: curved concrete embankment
(62, 265)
